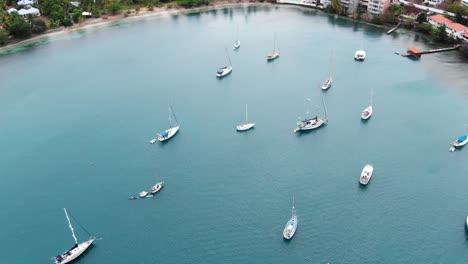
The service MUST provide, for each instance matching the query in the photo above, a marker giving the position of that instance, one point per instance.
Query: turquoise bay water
(77, 112)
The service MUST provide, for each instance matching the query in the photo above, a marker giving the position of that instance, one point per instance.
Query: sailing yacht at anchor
(169, 133)
(78, 249)
(311, 123)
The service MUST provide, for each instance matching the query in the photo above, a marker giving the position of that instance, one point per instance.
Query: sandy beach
(142, 13)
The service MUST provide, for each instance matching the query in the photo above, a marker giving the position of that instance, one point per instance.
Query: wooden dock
(393, 29)
(416, 53)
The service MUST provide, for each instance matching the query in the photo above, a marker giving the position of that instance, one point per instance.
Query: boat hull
(273, 56)
(74, 253)
(327, 84)
(245, 127)
(360, 55)
(300, 127)
(460, 144)
(290, 228)
(170, 133)
(225, 72)
(236, 45)
(367, 113)
(366, 174)
(157, 187)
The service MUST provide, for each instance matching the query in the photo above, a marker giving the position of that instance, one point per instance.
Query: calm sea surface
(78, 110)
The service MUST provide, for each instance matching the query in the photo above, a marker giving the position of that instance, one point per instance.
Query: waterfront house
(11, 10)
(350, 5)
(453, 29)
(464, 2)
(433, 2)
(25, 2)
(378, 7)
(30, 11)
(465, 36)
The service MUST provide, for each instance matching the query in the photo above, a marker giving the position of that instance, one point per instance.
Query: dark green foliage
(385, 19)
(57, 11)
(114, 7)
(424, 28)
(335, 7)
(38, 25)
(422, 18)
(397, 9)
(18, 26)
(192, 3)
(3, 36)
(77, 15)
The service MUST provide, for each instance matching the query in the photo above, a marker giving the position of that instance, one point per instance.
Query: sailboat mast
(274, 42)
(171, 111)
(246, 114)
(324, 106)
(230, 64)
(70, 226)
(308, 107)
(371, 95)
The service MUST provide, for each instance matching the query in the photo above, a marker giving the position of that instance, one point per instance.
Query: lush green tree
(38, 25)
(57, 11)
(114, 7)
(3, 36)
(397, 9)
(425, 28)
(192, 3)
(18, 26)
(421, 18)
(77, 15)
(336, 7)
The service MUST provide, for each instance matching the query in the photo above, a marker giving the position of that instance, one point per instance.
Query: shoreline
(143, 13)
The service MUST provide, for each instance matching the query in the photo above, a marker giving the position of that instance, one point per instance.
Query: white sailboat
(237, 43)
(328, 82)
(366, 174)
(78, 249)
(246, 125)
(225, 70)
(157, 187)
(311, 123)
(169, 133)
(291, 226)
(275, 54)
(368, 111)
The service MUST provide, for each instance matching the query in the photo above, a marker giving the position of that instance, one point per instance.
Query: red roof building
(453, 29)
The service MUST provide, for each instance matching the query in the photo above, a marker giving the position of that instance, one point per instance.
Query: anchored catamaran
(78, 249)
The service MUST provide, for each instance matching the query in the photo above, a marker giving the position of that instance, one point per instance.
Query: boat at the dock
(366, 174)
(246, 126)
(169, 133)
(460, 142)
(78, 249)
(221, 72)
(143, 194)
(360, 55)
(157, 187)
(275, 54)
(311, 123)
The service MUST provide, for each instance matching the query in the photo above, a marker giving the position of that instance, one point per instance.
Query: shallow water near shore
(77, 114)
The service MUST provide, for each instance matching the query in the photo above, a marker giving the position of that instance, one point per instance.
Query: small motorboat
(460, 142)
(223, 71)
(397, 52)
(366, 174)
(132, 198)
(367, 113)
(143, 194)
(149, 196)
(327, 83)
(360, 55)
(273, 55)
(236, 45)
(153, 141)
(157, 187)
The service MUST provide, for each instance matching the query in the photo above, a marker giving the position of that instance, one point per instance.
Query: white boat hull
(360, 55)
(367, 113)
(143, 194)
(273, 55)
(236, 45)
(157, 187)
(74, 253)
(466, 223)
(290, 228)
(245, 127)
(459, 144)
(224, 71)
(366, 174)
(170, 133)
(305, 126)
(327, 84)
